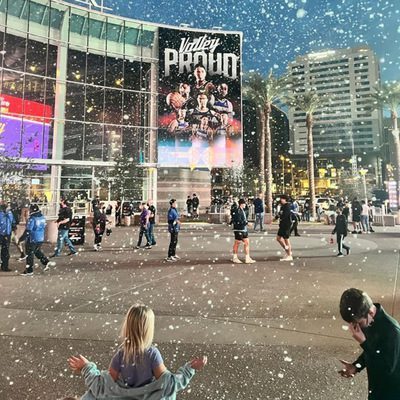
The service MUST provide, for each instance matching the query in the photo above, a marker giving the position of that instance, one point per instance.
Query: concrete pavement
(271, 330)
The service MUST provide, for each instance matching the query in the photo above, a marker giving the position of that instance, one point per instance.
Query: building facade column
(59, 111)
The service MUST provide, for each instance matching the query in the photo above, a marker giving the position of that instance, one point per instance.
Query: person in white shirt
(371, 216)
(364, 216)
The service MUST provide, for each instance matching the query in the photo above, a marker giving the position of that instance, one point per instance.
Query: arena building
(83, 89)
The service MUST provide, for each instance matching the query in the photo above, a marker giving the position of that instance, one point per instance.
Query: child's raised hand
(198, 363)
(77, 363)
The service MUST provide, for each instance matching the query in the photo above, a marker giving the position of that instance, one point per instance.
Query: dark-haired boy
(239, 220)
(285, 223)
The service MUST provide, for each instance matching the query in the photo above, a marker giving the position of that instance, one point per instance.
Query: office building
(346, 126)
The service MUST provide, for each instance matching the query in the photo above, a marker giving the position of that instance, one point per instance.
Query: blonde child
(137, 362)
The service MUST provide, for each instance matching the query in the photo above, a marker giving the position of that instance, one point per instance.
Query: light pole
(292, 176)
(283, 159)
(363, 172)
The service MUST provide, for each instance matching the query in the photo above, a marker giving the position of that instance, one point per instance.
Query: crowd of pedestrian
(33, 238)
(137, 366)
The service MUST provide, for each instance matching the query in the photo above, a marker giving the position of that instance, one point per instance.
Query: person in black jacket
(285, 223)
(189, 206)
(341, 232)
(259, 211)
(118, 210)
(195, 205)
(64, 223)
(378, 334)
(99, 226)
(239, 221)
(356, 215)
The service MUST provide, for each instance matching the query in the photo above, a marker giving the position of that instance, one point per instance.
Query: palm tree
(263, 92)
(308, 102)
(388, 96)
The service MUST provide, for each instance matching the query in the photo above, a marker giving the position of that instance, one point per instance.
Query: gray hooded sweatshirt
(101, 385)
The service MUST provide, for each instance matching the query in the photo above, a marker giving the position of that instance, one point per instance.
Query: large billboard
(199, 99)
(24, 128)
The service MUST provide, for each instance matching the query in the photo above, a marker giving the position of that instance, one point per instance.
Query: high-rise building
(346, 126)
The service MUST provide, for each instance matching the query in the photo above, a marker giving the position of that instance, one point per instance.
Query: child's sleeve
(116, 361)
(179, 380)
(156, 358)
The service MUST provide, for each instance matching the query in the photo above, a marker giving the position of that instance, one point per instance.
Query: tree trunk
(262, 151)
(310, 151)
(395, 131)
(268, 157)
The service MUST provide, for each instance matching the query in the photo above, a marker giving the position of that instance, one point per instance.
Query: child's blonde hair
(137, 332)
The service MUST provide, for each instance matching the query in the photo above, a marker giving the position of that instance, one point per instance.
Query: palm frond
(308, 101)
(262, 90)
(388, 95)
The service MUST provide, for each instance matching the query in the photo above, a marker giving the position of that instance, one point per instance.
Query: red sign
(32, 110)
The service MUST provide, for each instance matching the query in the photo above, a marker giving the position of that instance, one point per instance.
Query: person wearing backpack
(7, 223)
(35, 230)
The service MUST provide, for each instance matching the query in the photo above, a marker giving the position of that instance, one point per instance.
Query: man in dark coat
(259, 212)
(378, 334)
(195, 204)
(356, 215)
(64, 223)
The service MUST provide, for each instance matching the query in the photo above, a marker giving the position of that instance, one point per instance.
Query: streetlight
(363, 172)
(282, 158)
(292, 176)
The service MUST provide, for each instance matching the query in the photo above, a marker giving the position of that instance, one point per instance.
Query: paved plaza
(271, 330)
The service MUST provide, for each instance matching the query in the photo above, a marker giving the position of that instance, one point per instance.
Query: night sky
(276, 31)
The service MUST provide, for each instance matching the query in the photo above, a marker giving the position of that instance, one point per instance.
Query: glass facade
(80, 85)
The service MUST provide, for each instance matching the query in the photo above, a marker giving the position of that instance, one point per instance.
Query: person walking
(371, 216)
(356, 215)
(307, 211)
(364, 217)
(295, 214)
(64, 223)
(144, 226)
(378, 334)
(118, 209)
(239, 220)
(285, 223)
(173, 229)
(259, 212)
(346, 211)
(95, 203)
(195, 204)
(99, 225)
(152, 222)
(34, 234)
(7, 223)
(189, 206)
(341, 232)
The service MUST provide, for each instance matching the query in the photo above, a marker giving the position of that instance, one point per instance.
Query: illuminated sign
(24, 128)
(199, 99)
